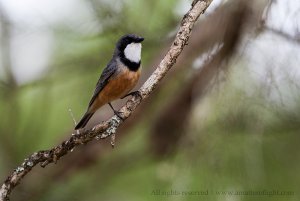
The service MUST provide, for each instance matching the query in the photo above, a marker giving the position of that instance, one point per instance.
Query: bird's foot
(134, 93)
(119, 114)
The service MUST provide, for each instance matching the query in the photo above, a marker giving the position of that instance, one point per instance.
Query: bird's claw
(118, 114)
(134, 93)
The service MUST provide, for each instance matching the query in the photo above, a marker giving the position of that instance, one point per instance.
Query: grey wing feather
(107, 73)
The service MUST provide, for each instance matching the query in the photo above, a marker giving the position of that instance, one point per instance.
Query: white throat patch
(132, 52)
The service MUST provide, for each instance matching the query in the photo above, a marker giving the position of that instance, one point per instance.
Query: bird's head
(129, 46)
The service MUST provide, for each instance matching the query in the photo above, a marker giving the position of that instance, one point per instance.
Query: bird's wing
(107, 73)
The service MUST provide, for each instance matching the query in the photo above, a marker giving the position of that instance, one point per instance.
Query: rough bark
(109, 127)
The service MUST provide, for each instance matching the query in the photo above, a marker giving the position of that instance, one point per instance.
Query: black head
(126, 40)
(128, 49)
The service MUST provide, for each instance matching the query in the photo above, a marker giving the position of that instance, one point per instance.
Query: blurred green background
(226, 119)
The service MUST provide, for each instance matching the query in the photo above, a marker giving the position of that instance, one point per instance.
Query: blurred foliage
(237, 138)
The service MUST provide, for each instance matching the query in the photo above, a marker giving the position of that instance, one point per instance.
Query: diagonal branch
(109, 127)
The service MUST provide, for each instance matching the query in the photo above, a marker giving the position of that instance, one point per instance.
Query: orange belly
(117, 87)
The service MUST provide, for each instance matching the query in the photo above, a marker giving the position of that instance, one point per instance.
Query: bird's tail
(84, 120)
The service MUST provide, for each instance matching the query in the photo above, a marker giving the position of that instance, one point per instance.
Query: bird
(118, 78)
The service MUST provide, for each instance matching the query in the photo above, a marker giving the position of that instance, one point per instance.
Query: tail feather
(84, 120)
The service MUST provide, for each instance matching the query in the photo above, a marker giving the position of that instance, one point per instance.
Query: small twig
(280, 33)
(74, 120)
(113, 140)
(72, 116)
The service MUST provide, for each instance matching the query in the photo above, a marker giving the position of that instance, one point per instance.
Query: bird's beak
(140, 39)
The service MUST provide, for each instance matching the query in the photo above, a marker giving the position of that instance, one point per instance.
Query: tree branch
(282, 34)
(109, 127)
